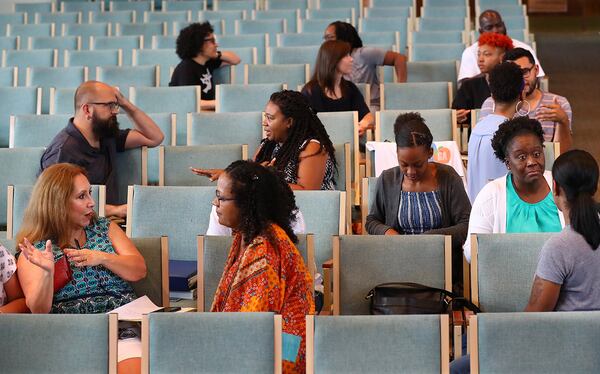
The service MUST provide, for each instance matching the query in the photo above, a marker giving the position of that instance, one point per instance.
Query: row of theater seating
(251, 343)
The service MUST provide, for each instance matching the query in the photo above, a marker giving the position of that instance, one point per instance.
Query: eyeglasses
(527, 71)
(219, 199)
(112, 105)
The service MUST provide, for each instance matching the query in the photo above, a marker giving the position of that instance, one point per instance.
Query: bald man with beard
(92, 137)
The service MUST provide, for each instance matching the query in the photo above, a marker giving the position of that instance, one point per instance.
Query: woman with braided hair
(297, 144)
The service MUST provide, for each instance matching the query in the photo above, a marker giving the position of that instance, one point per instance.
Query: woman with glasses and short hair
(198, 50)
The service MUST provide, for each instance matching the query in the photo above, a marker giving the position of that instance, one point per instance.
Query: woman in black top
(328, 91)
(197, 49)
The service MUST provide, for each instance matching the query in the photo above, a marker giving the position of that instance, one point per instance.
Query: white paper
(134, 310)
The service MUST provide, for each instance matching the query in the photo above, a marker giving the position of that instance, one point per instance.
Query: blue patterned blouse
(419, 212)
(94, 289)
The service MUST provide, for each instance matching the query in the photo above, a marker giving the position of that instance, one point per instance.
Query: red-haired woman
(473, 91)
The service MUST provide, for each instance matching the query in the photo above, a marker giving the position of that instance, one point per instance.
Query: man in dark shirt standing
(197, 49)
(92, 137)
(473, 91)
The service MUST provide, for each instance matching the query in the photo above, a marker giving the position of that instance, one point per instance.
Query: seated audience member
(258, 205)
(92, 138)
(297, 144)
(419, 196)
(520, 201)
(473, 91)
(506, 84)
(61, 231)
(366, 59)
(329, 91)
(197, 49)
(553, 111)
(489, 21)
(567, 276)
(11, 294)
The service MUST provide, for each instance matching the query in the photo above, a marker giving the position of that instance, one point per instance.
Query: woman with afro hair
(198, 50)
(264, 271)
(520, 201)
(473, 91)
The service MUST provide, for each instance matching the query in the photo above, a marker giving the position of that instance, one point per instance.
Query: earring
(520, 108)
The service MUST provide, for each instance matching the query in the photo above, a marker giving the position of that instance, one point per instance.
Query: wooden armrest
(328, 264)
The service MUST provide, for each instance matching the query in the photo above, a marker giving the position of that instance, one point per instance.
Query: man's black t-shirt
(191, 73)
(472, 93)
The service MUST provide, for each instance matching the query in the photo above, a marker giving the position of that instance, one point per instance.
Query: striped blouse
(419, 212)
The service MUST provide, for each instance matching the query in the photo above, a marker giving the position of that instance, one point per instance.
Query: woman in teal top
(522, 216)
(60, 221)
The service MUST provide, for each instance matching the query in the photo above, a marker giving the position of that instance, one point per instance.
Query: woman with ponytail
(567, 276)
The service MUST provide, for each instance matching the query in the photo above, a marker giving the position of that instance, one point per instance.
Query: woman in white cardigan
(520, 201)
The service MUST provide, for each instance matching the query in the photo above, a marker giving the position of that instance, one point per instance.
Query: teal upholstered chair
(349, 13)
(502, 269)
(342, 127)
(385, 37)
(181, 213)
(213, 252)
(432, 71)
(167, 124)
(324, 216)
(299, 40)
(155, 285)
(13, 18)
(422, 95)
(360, 262)
(287, 4)
(175, 162)
(435, 52)
(85, 30)
(206, 128)
(81, 6)
(45, 77)
(377, 344)
(293, 75)
(129, 76)
(29, 58)
(31, 8)
(90, 338)
(164, 42)
(179, 100)
(379, 24)
(131, 170)
(440, 122)
(125, 43)
(561, 342)
(139, 6)
(313, 24)
(430, 37)
(168, 16)
(392, 3)
(244, 98)
(258, 41)
(93, 59)
(445, 11)
(261, 26)
(165, 58)
(291, 17)
(367, 197)
(17, 100)
(551, 152)
(18, 166)
(120, 16)
(175, 5)
(9, 42)
(147, 30)
(10, 245)
(9, 76)
(459, 23)
(247, 5)
(18, 198)
(40, 29)
(57, 17)
(60, 44)
(248, 55)
(292, 55)
(61, 100)
(205, 341)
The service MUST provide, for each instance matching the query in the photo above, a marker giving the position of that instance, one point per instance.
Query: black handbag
(414, 298)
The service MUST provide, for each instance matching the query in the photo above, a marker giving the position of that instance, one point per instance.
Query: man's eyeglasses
(112, 105)
(527, 71)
